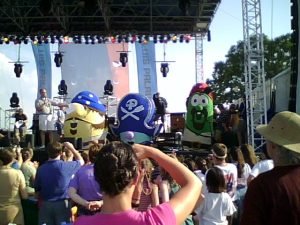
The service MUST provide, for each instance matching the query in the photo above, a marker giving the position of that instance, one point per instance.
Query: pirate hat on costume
(90, 100)
(283, 130)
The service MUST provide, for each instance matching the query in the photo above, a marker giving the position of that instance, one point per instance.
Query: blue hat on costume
(90, 100)
(135, 119)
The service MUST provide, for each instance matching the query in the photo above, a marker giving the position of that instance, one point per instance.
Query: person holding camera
(20, 126)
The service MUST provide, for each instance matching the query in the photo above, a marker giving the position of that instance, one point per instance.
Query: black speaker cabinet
(177, 122)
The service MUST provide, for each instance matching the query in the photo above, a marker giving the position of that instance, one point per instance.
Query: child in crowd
(217, 207)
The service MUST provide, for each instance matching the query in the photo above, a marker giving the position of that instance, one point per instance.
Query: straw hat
(283, 130)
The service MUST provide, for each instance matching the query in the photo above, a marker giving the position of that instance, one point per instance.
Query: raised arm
(184, 201)
(77, 155)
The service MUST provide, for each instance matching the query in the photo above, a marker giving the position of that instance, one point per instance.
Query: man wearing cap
(274, 196)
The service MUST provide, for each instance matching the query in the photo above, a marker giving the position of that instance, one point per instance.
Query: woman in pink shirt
(117, 170)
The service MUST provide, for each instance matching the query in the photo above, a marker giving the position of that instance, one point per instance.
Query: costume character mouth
(73, 125)
(199, 118)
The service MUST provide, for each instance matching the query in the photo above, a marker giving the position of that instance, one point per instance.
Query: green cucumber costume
(199, 117)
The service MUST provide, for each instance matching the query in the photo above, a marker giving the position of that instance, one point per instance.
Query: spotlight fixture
(174, 39)
(164, 65)
(123, 58)
(181, 38)
(161, 38)
(62, 88)
(6, 40)
(14, 100)
(164, 69)
(140, 38)
(18, 69)
(108, 88)
(92, 40)
(58, 59)
(155, 39)
(52, 39)
(208, 36)
(133, 39)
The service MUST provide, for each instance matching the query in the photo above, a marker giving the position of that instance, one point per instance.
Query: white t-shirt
(261, 167)
(215, 208)
(201, 176)
(230, 174)
(242, 181)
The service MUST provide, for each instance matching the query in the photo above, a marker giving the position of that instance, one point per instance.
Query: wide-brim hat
(283, 130)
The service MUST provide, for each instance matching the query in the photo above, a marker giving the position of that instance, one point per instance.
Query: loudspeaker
(177, 122)
(4, 140)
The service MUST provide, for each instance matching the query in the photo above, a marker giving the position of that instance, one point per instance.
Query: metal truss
(199, 57)
(254, 71)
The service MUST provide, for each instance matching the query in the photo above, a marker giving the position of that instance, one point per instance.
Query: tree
(228, 77)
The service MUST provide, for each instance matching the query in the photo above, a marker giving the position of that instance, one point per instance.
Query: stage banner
(43, 66)
(146, 66)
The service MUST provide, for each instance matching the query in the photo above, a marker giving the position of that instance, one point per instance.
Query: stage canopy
(105, 17)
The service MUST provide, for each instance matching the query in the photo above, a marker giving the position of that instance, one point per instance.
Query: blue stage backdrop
(43, 66)
(146, 66)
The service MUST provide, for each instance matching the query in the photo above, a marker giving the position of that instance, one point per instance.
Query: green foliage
(230, 74)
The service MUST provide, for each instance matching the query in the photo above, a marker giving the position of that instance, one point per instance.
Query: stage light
(52, 39)
(133, 38)
(126, 39)
(120, 39)
(86, 38)
(17, 41)
(140, 37)
(188, 38)
(174, 39)
(66, 39)
(146, 39)
(169, 37)
(99, 39)
(112, 39)
(14, 100)
(123, 58)
(164, 69)
(1, 41)
(62, 88)
(79, 39)
(161, 38)
(39, 39)
(18, 69)
(181, 38)
(32, 38)
(6, 40)
(58, 59)
(92, 40)
(155, 39)
(108, 88)
(208, 35)
(46, 40)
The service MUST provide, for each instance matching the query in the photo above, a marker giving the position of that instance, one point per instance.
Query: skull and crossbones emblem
(132, 106)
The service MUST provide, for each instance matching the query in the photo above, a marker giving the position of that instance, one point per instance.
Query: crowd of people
(137, 184)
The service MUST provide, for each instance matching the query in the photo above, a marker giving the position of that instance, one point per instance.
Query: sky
(226, 30)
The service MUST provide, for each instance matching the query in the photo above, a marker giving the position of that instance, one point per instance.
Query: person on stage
(20, 126)
(44, 108)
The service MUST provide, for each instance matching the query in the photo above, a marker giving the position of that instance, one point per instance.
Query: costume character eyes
(201, 100)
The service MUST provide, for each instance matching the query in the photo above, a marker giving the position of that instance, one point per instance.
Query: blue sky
(226, 30)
